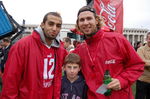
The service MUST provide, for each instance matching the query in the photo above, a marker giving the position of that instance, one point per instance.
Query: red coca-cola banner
(112, 13)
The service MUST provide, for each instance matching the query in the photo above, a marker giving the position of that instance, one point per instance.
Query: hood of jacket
(80, 79)
(55, 42)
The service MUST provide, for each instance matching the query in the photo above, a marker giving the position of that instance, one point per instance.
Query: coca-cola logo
(108, 13)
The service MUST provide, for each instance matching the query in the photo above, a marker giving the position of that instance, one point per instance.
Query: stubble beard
(90, 34)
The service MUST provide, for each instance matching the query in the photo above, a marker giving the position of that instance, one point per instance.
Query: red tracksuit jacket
(113, 52)
(32, 70)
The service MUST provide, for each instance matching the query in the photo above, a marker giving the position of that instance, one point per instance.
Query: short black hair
(51, 13)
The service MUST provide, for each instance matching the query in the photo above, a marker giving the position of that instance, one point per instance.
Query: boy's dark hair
(72, 58)
(51, 13)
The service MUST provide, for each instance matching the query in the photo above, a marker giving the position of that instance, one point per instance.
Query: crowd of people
(35, 63)
(143, 82)
(5, 45)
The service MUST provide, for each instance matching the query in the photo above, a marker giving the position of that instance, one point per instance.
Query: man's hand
(1, 74)
(114, 84)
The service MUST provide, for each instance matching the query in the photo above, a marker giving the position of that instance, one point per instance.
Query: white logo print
(112, 61)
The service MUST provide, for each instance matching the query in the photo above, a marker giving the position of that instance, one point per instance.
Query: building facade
(132, 34)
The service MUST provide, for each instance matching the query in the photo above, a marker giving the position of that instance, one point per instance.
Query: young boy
(73, 84)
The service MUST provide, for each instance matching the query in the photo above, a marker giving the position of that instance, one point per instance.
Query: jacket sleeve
(12, 73)
(141, 54)
(133, 64)
(85, 92)
(58, 73)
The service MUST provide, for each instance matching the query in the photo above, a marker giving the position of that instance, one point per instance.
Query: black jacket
(3, 56)
(75, 90)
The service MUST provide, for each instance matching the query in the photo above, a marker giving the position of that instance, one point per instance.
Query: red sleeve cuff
(123, 82)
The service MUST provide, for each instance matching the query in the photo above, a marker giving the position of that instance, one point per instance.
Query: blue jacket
(75, 90)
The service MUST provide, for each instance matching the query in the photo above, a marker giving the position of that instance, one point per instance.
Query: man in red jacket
(103, 51)
(33, 69)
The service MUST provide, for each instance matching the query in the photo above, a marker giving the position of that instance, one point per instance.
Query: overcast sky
(136, 12)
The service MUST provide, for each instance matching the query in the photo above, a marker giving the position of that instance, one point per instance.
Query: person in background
(6, 44)
(137, 45)
(76, 43)
(34, 66)
(73, 84)
(106, 51)
(67, 44)
(143, 83)
(4, 50)
(1, 48)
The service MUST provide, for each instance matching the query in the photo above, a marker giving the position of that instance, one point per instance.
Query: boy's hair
(72, 58)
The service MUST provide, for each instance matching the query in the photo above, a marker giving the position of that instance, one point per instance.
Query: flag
(112, 13)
